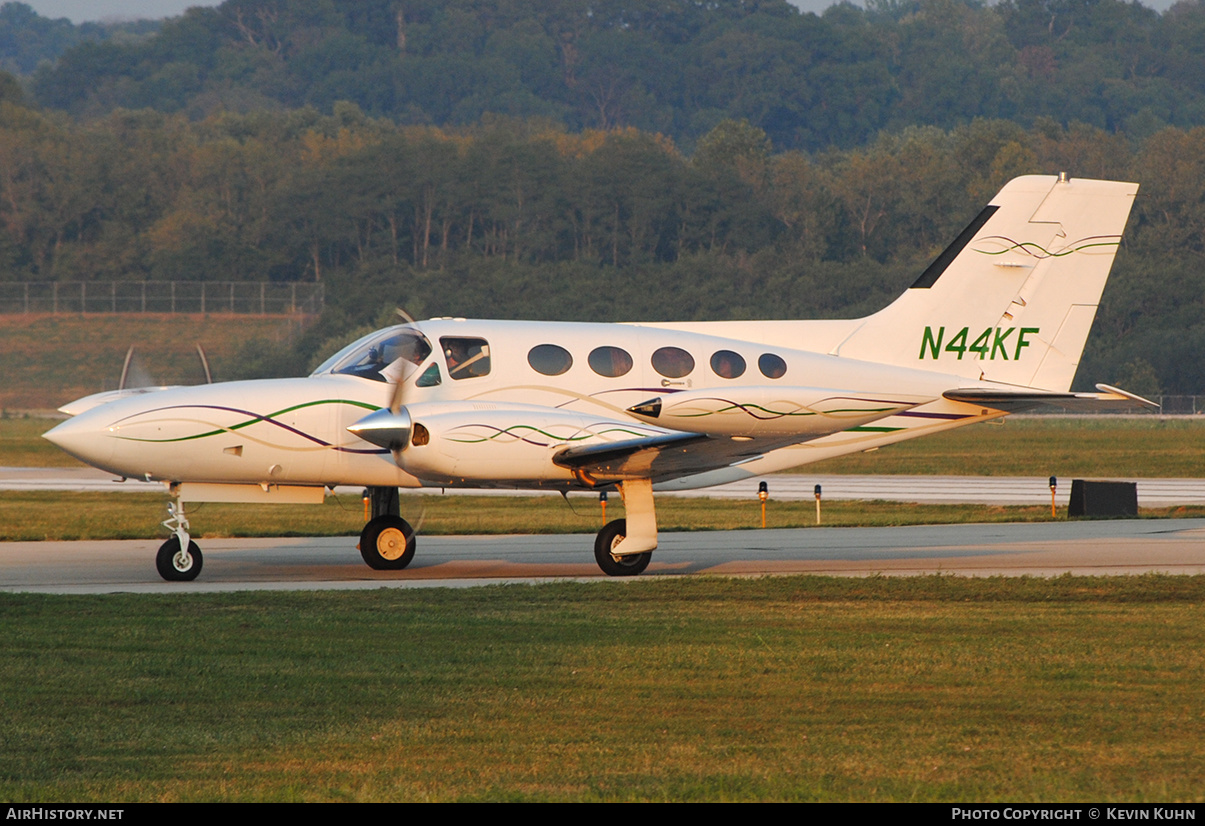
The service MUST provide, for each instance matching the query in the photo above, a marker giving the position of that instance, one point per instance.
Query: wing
(660, 458)
(714, 428)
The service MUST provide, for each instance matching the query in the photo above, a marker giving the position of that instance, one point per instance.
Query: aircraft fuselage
(295, 431)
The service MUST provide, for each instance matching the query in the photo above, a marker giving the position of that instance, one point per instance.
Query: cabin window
(772, 366)
(611, 362)
(372, 354)
(549, 359)
(673, 362)
(467, 358)
(727, 364)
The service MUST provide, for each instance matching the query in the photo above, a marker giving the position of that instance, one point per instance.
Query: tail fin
(1013, 298)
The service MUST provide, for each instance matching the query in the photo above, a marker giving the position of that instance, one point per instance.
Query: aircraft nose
(86, 438)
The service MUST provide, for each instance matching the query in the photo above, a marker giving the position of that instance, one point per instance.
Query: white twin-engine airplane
(996, 324)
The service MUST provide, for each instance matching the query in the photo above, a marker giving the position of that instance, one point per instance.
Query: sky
(80, 11)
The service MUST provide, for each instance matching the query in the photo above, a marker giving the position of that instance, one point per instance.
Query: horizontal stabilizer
(1110, 398)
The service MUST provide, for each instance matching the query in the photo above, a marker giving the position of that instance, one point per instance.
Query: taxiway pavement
(1174, 546)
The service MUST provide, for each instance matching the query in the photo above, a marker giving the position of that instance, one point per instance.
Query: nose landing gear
(176, 565)
(179, 558)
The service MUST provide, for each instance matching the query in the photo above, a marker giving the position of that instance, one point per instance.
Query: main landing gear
(179, 559)
(620, 551)
(387, 541)
(624, 547)
(607, 540)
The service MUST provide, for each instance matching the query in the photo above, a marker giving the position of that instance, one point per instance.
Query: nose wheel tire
(606, 540)
(175, 565)
(387, 543)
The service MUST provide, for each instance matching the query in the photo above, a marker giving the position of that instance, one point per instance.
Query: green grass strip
(708, 689)
(48, 515)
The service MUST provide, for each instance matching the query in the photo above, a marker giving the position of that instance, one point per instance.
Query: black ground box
(1103, 498)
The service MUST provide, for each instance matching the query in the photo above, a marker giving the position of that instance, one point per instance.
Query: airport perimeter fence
(1168, 406)
(1180, 405)
(241, 297)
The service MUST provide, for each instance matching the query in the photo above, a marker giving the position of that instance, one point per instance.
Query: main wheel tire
(176, 566)
(387, 543)
(611, 535)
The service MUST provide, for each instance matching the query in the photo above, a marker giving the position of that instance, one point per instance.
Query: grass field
(22, 445)
(44, 515)
(36, 516)
(797, 688)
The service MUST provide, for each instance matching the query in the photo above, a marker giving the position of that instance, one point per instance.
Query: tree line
(674, 67)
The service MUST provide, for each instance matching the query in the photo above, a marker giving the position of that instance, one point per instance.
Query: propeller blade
(396, 399)
(389, 427)
(125, 368)
(205, 364)
(417, 526)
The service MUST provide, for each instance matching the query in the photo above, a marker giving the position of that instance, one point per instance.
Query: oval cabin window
(549, 359)
(673, 362)
(772, 366)
(727, 364)
(611, 362)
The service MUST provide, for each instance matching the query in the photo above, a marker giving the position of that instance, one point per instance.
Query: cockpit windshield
(369, 356)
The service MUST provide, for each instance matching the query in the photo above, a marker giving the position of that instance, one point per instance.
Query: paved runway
(784, 487)
(1043, 549)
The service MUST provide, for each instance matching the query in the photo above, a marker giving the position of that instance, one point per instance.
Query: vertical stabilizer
(1013, 298)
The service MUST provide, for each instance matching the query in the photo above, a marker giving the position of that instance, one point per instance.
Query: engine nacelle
(452, 442)
(807, 412)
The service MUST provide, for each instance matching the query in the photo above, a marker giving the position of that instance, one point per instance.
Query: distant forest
(673, 67)
(606, 160)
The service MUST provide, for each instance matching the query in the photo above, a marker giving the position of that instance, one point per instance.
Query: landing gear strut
(179, 559)
(623, 552)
